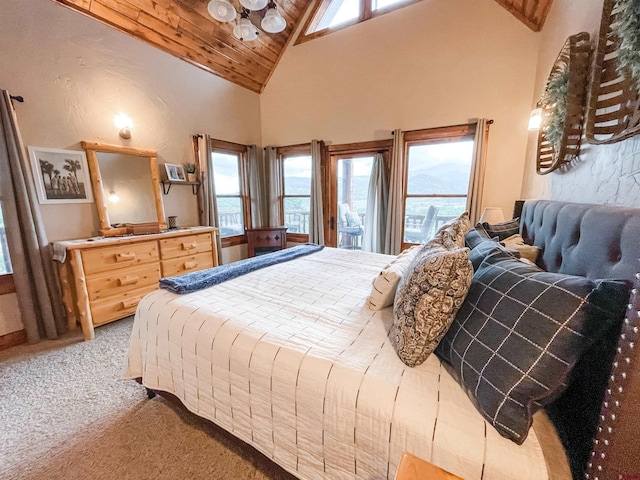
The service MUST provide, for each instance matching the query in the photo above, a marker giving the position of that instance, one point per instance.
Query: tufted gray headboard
(597, 416)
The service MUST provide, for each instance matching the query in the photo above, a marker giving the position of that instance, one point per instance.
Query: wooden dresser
(103, 279)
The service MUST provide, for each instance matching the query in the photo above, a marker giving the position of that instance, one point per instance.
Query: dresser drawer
(118, 306)
(187, 264)
(188, 245)
(114, 282)
(119, 256)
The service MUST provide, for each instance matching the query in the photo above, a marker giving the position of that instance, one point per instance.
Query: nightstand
(414, 468)
(266, 240)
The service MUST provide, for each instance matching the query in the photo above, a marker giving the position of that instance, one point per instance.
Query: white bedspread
(290, 360)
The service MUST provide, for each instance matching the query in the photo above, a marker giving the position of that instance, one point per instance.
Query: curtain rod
(489, 122)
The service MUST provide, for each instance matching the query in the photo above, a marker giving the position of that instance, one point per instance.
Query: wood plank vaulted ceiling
(185, 29)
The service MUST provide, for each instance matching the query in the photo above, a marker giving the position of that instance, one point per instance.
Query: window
(331, 15)
(6, 276)
(438, 169)
(296, 198)
(339, 12)
(382, 4)
(232, 191)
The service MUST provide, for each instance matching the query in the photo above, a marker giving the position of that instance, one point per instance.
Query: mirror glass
(127, 188)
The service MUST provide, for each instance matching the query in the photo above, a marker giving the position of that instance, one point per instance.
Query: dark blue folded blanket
(195, 281)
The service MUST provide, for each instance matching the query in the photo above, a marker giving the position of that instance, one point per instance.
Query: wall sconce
(535, 119)
(113, 197)
(124, 124)
(492, 215)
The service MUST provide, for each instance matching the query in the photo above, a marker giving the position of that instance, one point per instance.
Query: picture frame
(175, 173)
(61, 176)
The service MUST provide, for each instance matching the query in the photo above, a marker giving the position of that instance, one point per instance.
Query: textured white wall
(434, 63)
(604, 174)
(76, 74)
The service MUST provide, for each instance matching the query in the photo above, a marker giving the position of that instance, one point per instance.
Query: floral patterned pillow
(427, 300)
(452, 233)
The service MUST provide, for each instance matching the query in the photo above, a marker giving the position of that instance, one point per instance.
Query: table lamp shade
(492, 215)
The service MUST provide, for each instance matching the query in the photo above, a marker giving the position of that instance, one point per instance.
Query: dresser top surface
(108, 241)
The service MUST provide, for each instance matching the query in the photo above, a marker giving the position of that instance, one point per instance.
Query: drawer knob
(124, 257)
(189, 246)
(128, 280)
(190, 265)
(130, 302)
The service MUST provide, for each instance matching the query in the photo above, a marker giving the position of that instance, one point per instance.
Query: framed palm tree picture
(61, 176)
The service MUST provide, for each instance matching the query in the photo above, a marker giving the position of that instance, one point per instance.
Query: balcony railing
(296, 221)
(231, 224)
(413, 229)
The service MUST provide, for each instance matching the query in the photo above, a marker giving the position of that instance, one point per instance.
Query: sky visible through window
(449, 162)
(297, 175)
(378, 4)
(342, 11)
(226, 176)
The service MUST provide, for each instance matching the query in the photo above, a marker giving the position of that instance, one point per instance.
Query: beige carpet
(66, 414)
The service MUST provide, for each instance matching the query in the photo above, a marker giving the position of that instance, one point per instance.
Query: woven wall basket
(613, 112)
(573, 59)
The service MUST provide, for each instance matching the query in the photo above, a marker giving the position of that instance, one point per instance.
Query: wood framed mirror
(126, 188)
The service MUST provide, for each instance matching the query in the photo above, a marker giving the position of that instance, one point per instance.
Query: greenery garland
(555, 102)
(627, 28)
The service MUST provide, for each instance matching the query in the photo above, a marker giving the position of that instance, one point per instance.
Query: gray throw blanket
(195, 281)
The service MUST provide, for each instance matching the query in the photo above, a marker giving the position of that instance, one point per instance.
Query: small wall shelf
(166, 186)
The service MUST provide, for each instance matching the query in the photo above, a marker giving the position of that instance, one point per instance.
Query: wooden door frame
(330, 187)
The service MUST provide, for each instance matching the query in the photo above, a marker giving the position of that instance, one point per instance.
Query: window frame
(320, 7)
(427, 136)
(282, 153)
(230, 148)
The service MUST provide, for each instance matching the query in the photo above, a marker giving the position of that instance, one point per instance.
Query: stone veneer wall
(606, 174)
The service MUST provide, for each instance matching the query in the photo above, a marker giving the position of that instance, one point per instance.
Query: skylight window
(339, 12)
(331, 15)
(380, 4)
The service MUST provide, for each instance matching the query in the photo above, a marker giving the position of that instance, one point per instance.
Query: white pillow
(383, 291)
(527, 252)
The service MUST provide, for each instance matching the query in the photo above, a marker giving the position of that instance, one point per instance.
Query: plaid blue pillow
(501, 230)
(519, 333)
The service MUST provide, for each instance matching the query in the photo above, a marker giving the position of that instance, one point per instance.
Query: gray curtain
(257, 186)
(316, 216)
(207, 204)
(395, 208)
(31, 257)
(274, 186)
(376, 214)
(478, 167)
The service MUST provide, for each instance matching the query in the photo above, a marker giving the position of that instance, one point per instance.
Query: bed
(290, 360)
